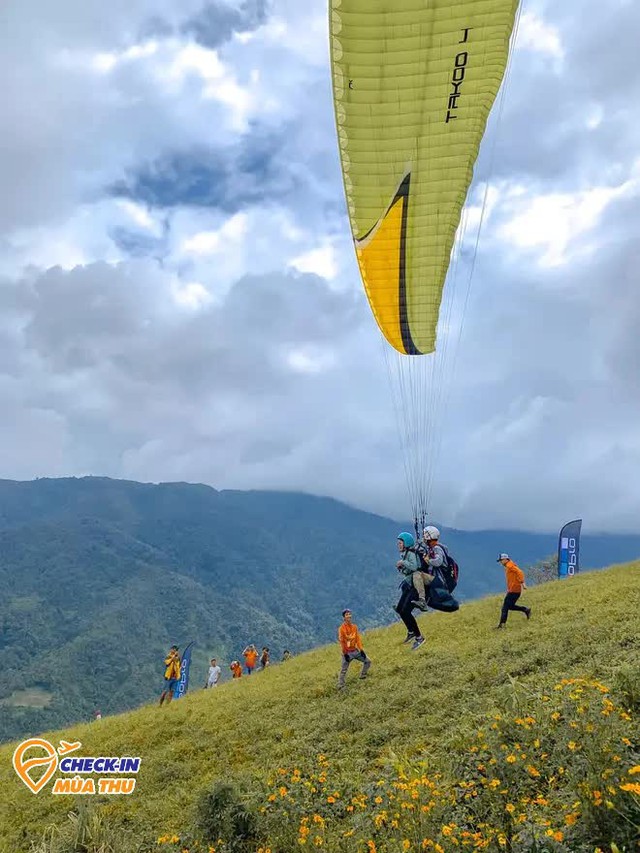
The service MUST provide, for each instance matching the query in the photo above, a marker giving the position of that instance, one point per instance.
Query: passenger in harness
(435, 560)
(432, 557)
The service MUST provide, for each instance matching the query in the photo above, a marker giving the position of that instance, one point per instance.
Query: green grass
(415, 718)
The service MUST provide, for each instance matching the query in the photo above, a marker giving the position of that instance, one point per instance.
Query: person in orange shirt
(250, 655)
(515, 585)
(236, 669)
(351, 645)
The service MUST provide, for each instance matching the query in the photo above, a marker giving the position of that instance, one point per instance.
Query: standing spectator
(214, 674)
(250, 655)
(171, 674)
(351, 645)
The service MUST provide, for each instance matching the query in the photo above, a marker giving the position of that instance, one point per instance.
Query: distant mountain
(100, 576)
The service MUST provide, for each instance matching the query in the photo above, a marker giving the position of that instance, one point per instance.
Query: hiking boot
(408, 638)
(421, 603)
(417, 643)
(528, 613)
(501, 625)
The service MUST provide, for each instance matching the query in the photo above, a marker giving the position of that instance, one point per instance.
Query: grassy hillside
(98, 570)
(518, 740)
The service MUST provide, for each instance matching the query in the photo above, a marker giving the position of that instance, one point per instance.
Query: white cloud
(554, 222)
(536, 34)
(321, 261)
(220, 240)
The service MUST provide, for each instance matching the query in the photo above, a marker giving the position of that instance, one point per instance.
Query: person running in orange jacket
(351, 645)
(515, 585)
(236, 669)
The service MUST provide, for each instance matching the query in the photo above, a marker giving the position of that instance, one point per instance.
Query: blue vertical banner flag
(185, 664)
(569, 549)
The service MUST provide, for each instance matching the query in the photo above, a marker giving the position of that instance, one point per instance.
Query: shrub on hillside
(222, 814)
(543, 571)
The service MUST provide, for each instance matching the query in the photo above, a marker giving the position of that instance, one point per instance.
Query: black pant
(508, 604)
(404, 608)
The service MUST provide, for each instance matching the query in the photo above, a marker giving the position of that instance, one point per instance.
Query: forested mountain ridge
(101, 575)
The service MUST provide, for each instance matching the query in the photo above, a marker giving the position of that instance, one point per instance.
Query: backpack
(449, 569)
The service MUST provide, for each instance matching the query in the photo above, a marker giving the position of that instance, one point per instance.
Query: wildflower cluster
(172, 842)
(561, 775)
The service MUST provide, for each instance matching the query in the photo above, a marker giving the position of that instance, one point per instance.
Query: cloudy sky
(179, 298)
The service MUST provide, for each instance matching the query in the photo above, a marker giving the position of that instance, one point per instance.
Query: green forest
(101, 576)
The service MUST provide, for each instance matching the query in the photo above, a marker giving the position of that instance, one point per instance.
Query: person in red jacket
(351, 645)
(515, 585)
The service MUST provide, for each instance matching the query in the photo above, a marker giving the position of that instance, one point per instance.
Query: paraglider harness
(439, 591)
(448, 571)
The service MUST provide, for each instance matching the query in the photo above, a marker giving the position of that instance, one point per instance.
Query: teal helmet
(407, 540)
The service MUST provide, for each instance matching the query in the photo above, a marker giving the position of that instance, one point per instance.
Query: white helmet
(431, 533)
(502, 557)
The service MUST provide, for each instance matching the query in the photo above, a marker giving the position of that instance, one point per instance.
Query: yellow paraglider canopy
(414, 81)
